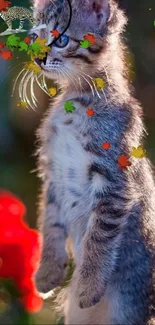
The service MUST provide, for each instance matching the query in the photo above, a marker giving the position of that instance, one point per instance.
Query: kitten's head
(67, 59)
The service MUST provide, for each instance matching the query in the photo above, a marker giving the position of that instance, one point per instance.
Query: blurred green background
(18, 125)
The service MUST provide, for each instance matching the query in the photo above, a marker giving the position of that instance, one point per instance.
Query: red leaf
(123, 161)
(27, 40)
(106, 145)
(54, 32)
(90, 38)
(6, 55)
(4, 5)
(90, 112)
(2, 45)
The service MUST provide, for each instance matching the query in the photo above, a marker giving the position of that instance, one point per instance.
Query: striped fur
(107, 212)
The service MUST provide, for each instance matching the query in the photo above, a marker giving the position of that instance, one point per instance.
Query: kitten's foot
(51, 274)
(89, 292)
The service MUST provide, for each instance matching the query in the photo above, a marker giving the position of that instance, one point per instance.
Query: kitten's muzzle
(40, 61)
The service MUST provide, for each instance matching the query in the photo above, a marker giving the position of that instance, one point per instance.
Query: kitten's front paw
(89, 292)
(51, 274)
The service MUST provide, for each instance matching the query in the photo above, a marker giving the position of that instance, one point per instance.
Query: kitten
(108, 212)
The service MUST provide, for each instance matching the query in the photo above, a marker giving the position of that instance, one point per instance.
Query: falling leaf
(22, 104)
(106, 145)
(32, 66)
(123, 161)
(69, 107)
(6, 55)
(41, 42)
(99, 82)
(54, 32)
(34, 50)
(23, 46)
(4, 5)
(27, 40)
(138, 152)
(2, 45)
(85, 44)
(52, 91)
(12, 41)
(90, 112)
(90, 38)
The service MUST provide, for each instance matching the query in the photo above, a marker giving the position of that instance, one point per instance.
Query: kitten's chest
(68, 159)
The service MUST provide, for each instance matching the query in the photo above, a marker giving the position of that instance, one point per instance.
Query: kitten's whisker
(32, 90)
(21, 84)
(71, 78)
(34, 99)
(15, 83)
(40, 86)
(25, 97)
(93, 84)
(44, 83)
(101, 64)
(88, 84)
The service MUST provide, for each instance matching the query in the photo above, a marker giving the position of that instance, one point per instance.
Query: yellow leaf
(44, 48)
(100, 83)
(52, 91)
(22, 104)
(32, 66)
(138, 152)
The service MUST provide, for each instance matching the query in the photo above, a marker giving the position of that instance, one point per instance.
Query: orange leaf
(6, 55)
(4, 5)
(27, 40)
(106, 145)
(2, 45)
(54, 32)
(123, 161)
(90, 38)
(90, 112)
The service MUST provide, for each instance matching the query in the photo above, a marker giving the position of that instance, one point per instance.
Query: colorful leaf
(12, 41)
(90, 38)
(6, 55)
(22, 104)
(100, 83)
(2, 45)
(138, 152)
(106, 145)
(52, 91)
(27, 40)
(54, 32)
(123, 161)
(90, 112)
(23, 46)
(85, 44)
(4, 5)
(32, 66)
(69, 107)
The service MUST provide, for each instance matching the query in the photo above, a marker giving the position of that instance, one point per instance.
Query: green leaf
(12, 41)
(85, 44)
(34, 49)
(69, 107)
(23, 46)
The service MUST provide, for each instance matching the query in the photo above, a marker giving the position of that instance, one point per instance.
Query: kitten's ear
(101, 9)
(40, 4)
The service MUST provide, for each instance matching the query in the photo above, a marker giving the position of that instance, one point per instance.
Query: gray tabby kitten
(108, 212)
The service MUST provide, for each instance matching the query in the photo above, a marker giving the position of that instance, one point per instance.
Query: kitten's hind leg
(54, 258)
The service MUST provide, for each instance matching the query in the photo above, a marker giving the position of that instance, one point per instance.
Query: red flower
(20, 249)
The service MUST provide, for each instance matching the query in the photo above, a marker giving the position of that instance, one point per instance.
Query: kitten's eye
(62, 41)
